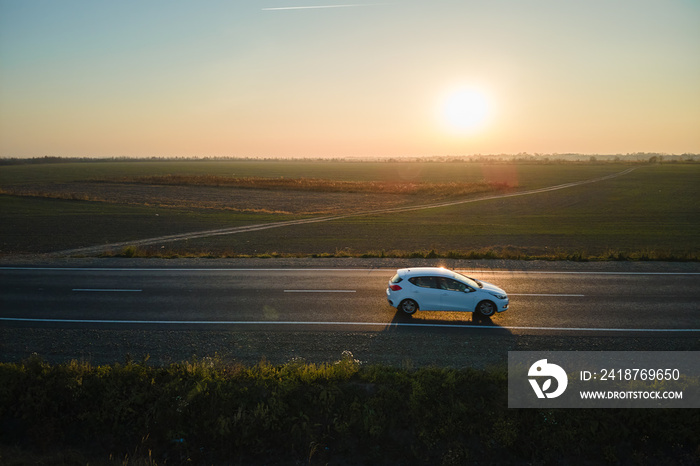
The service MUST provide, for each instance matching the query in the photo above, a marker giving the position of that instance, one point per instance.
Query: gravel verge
(394, 347)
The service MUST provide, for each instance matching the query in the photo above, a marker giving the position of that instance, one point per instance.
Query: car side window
(452, 285)
(424, 282)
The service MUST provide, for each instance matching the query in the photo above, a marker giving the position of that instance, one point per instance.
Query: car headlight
(498, 295)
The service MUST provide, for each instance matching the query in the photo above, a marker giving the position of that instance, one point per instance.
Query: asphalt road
(249, 313)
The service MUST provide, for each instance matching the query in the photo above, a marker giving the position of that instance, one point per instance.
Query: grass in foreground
(208, 412)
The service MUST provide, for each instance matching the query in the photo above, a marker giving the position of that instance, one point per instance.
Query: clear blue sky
(197, 78)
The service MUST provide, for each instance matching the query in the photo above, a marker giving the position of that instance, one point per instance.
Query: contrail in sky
(323, 6)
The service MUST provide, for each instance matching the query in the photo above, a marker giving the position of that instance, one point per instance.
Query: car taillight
(394, 287)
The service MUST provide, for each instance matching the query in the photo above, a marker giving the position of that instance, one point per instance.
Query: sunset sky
(263, 78)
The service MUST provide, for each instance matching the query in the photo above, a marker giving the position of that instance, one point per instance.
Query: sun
(464, 110)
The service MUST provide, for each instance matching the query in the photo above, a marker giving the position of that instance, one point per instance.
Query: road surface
(299, 308)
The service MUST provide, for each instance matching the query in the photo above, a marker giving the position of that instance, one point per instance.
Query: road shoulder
(41, 261)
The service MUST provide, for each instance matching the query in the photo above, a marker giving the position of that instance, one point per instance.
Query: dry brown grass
(145, 199)
(252, 195)
(318, 185)
(228, 198)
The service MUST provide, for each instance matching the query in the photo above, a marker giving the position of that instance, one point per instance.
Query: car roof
(421, 271)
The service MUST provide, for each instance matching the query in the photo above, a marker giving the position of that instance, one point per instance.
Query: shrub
(205, 411)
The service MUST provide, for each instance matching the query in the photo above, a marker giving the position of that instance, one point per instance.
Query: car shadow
(438, 339)
(443, 320)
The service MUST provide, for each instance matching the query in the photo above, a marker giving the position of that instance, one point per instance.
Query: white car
(439, 289)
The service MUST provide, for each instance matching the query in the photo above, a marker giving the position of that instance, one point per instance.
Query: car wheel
(408, 306)
(486, 308)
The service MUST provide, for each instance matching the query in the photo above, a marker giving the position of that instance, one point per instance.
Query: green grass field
(651, 213)
(654, 210)
(525, 175)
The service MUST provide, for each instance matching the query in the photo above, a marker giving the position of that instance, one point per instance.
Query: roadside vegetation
(209, 412)
(507, 253)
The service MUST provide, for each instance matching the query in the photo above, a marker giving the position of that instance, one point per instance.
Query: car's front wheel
(408, 306)
(486, 308)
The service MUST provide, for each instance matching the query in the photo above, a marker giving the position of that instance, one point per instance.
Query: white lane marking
(104, 290)
(356, 324)
(320, 291)
(544, 294)
(128, 269)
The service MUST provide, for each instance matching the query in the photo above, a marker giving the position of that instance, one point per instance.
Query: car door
(427, 293)
(456, 296)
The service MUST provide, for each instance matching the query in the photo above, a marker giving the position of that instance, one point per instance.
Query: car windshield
(469, 281)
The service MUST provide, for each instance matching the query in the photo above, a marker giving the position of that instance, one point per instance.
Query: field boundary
(90, 250)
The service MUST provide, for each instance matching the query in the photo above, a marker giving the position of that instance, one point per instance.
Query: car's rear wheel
(408, 306)
(486, 308)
